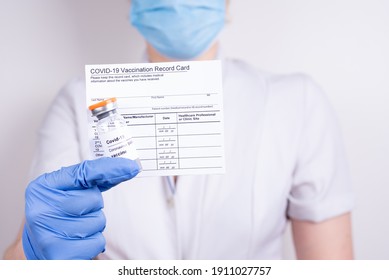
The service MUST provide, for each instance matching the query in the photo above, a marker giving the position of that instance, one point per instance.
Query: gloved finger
(81, 202)
(73, 202)
(84, 226)
(69, 226)
(74, 249)
(103, 173)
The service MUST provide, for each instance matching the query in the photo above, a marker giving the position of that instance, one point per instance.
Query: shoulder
(290, 100)
(297, 89)
(70, 98)
(73, 88)
(288, 85)
(293, 95)
(68, 108)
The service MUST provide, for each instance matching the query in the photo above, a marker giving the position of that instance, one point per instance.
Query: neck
(155, 56)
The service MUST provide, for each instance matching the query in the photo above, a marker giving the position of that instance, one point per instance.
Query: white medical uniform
(284, 159)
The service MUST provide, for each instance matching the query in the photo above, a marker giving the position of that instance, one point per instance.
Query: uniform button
(170, 202)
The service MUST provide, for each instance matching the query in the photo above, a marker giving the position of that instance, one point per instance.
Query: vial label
(118, 143)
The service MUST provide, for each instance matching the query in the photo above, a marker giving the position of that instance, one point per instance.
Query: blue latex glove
(64, 217)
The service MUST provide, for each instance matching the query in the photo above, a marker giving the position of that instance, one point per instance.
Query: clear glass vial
(113, 132)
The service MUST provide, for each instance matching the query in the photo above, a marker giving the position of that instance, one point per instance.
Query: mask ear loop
(228, 19)
(228, 16)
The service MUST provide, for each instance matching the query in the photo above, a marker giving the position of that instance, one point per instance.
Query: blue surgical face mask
(179, 29)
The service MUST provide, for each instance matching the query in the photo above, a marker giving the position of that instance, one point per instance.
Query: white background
(342, 44)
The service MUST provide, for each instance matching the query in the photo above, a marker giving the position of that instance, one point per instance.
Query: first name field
(98, 71)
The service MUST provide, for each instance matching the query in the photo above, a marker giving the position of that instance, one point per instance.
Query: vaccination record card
(174, 111)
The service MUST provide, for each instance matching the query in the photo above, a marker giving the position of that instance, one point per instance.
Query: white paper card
(174, 111)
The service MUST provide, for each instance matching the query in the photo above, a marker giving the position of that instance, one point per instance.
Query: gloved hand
(64, 218)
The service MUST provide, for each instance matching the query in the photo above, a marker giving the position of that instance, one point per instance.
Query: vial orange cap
(102, 103)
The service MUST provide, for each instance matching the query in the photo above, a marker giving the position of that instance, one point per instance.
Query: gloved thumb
(103, 173)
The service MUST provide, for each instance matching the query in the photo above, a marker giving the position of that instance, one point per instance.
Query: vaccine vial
(114, 134)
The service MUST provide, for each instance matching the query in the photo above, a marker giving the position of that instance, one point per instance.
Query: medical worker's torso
(237, 215)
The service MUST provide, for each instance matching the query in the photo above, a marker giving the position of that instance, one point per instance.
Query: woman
(284, 161)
